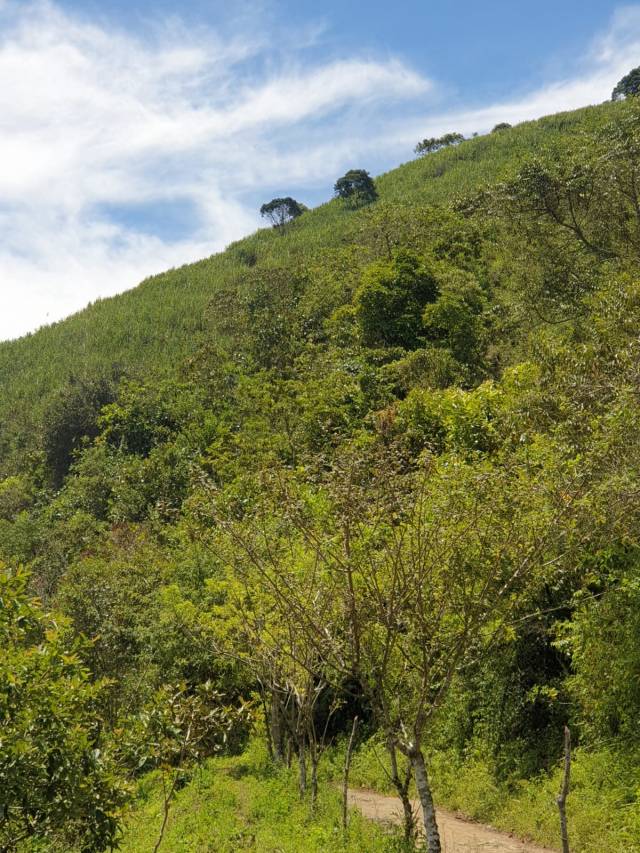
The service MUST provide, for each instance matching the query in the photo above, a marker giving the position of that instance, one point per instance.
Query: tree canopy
(356, 187)
(628, 86)
(281, 211)
(429, 146)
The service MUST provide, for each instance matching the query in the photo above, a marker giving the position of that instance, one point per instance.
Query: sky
(138, 135)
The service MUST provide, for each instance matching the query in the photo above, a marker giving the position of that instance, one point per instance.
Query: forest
(356, 497)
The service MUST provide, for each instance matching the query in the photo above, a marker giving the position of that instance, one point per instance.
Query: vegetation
(281, 211)
(429, 146)
(56, 782)
(381, 464)
(244, 803)
(628, 86)
(356, 188)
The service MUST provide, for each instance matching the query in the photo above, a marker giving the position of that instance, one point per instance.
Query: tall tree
(429, 146)
(427, 571)
(628, 86)
(282, 211)
(356, 187)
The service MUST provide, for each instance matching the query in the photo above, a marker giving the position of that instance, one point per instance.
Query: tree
(357, 188)
(503, 125)
(429, 146)
(56, 781)
(455, 319)
(70, 419)
(390, 301)
(279, 618)
(628, 86)
(566, 216)
(426, 574)
(281, 211)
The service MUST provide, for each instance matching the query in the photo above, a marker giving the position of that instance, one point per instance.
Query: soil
(457, 834)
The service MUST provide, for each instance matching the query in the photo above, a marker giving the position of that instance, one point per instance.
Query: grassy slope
(242, 803)
(155, 326)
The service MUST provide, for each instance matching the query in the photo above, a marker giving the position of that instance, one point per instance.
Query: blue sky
(140, 135)
(494, 45)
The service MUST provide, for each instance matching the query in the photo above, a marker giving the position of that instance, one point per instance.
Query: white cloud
(609, 58)
(93, 120)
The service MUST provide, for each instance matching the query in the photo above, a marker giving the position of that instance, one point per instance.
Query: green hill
(152, 329)
(381, 463)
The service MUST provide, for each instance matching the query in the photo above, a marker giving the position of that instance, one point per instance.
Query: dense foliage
(433, 144)
(56, 783)
(628, 86)
(382, 463)
(356, 188)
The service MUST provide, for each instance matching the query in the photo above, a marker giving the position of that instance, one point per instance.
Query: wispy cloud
(103, 134)
(97, 123)
(611, 55)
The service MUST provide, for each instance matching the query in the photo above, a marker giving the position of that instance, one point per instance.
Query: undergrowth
(603, 806)
(243, 803)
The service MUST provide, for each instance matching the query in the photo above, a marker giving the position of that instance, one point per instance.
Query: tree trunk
(168, 797)
(267, 726)
(302, 769)
(561, 799)
(407, 814)
(345, 775)
(313, 755)
(402, 789)
(426, 800)
(277, 733)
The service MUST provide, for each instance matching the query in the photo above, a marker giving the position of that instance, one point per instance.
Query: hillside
(152, 329)
(356, 493)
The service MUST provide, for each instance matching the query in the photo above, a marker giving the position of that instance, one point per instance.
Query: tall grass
(243, 803)
(603, 805)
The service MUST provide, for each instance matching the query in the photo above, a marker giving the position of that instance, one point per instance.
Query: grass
(603, 806)
(242, 803)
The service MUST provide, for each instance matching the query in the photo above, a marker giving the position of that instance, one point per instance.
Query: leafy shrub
(57, 785)
(390, 301)
(70, 419)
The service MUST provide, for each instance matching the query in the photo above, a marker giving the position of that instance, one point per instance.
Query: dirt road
(457, 835)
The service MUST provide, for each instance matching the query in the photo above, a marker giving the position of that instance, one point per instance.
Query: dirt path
(457, 835)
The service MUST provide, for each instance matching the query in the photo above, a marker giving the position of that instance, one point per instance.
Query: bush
(356, 188)
(390, 301)
(56, 782)
(71, 419)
